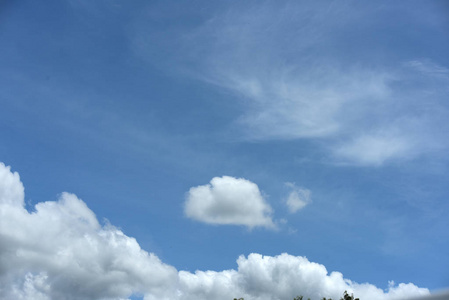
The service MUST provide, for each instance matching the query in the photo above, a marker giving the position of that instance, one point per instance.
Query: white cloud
(295, 85)
(60, 251)
(229, 201)
(298, 198)
(12, 191)
(282, 277)
(374, 149)
(293, 105)
(429, 68)
(34, 287)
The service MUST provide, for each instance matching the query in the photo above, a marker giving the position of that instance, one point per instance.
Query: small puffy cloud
(60, 251)
(298, 198)
(229, 201)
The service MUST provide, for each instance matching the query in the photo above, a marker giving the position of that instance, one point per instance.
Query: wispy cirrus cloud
(301, 74)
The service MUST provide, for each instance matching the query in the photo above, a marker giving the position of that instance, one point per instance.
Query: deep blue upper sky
(130, 104)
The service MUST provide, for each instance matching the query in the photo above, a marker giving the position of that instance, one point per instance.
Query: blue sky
(209, 130)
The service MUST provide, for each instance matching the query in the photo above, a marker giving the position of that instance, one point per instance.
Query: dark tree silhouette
(346, 296)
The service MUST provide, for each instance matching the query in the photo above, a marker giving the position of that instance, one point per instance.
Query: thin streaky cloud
(278, 60)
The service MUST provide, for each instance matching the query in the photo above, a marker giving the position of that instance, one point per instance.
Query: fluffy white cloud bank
(229, 201)
(283, 277)
(60, 251)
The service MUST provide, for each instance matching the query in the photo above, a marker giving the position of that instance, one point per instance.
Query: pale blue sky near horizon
(129, 105)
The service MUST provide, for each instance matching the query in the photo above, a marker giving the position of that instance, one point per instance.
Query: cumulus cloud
(284, 276)
(229, 201)
(61, 251)
(298, 198)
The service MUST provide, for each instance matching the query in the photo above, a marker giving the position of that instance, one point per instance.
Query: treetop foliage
(346, 296)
